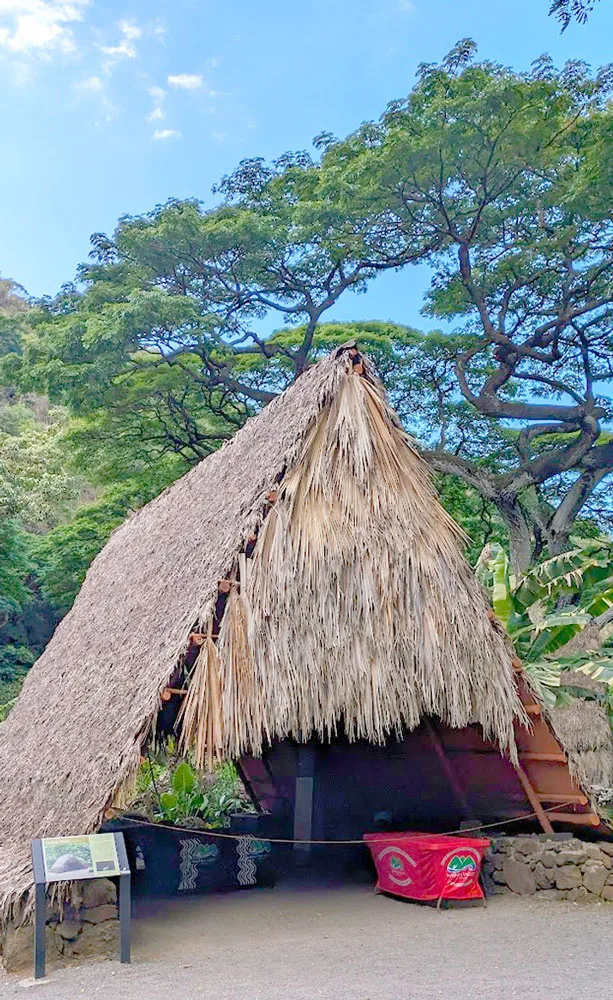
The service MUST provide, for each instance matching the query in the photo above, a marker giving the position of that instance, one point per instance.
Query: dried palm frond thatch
(583, 730)
(357, 605)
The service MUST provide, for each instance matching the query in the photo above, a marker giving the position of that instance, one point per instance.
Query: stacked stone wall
(86, 927)
(550, 868)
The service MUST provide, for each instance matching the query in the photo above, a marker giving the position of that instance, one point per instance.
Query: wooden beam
(532, 797)
(554, 758)
(303, 802)
(580, 819)
(553, 797)
(450, 773)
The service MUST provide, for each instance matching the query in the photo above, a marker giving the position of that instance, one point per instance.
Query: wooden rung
(180, 691)
(555, 758)
(533, 709)
(533, 799)
(197, 638)
(581, 819)
(581, 800)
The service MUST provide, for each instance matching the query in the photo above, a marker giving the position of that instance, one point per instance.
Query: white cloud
(220, 136)
(186, 81)
(157, 113)
(406, 7)
(95, 88)
(125, 48)
(130, 30)
(39, 26)
(93, 85)
(166, 133)
(159, 30)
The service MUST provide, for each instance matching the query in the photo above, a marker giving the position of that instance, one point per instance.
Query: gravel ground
(348, 944)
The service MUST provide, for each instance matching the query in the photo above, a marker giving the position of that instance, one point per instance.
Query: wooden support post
(450, 774)
(303, 802)
(579, 819)
(533, 799)
(553, 758)
(559, 797)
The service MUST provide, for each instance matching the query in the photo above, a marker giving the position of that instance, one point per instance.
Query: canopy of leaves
(559, 613)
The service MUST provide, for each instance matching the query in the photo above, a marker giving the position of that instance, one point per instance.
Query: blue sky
(110, 107)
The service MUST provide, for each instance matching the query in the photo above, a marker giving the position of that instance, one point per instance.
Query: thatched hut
(310, 567)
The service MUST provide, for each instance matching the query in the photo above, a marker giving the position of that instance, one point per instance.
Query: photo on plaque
(80, 857)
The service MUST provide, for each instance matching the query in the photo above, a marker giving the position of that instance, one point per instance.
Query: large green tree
(484, 174)
(567, 11)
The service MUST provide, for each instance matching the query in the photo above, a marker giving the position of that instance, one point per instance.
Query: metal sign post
(100, 855)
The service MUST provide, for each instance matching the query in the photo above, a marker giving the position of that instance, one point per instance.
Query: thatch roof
(583, 730)
(357, 606)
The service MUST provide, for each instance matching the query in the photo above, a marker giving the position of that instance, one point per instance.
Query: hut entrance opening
(434, 780)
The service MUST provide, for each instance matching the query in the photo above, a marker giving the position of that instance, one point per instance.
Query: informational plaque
(67, 859)
(80, 857)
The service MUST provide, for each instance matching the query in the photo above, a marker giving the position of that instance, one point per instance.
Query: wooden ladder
(543, 771)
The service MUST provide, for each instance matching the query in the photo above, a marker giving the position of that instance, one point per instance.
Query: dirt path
(348, 944)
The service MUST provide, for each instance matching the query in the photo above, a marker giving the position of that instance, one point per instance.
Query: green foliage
(188, 797)
(551, 605)
(567, 11)
(500, 182)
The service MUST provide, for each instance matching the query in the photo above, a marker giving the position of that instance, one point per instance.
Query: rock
(68, 929)
(18, 947)
(519, 877)
(528, 845)
(606, 847)
(549, 894)
(578, 895)
(68, 863)
(97, 893)
(494, 862)
(501, 846)
(606, 860)
(607, 892)
(571, 856)
(594, 877)
(69, 912)
(491, 889)
(543, 876)
(549, 858)
(567, 877)
(594, 853)
(499, 878)
(97, 914)
(98, 940)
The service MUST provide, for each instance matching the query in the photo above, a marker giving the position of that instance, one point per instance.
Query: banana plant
(552, 604)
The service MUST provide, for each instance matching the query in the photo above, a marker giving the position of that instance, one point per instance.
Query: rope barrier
(340, 843)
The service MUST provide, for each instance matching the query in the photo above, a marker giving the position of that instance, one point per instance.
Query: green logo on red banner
(461, 864)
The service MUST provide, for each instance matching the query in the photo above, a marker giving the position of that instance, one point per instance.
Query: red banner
(428, 867)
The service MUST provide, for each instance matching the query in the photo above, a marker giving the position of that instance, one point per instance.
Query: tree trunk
(520, 535)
